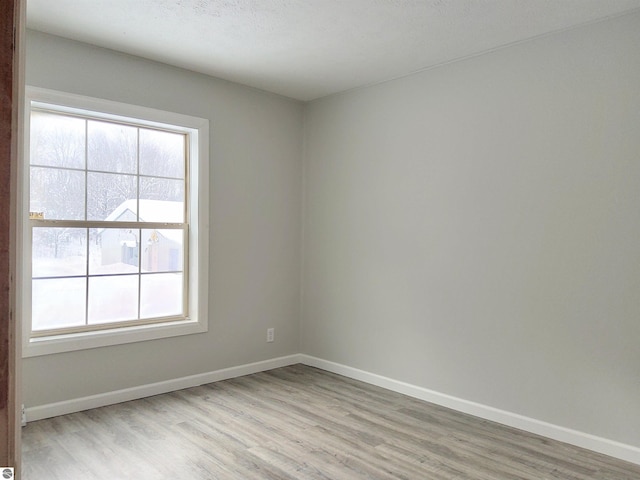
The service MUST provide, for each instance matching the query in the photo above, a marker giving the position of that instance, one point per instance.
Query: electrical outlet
(271, 333)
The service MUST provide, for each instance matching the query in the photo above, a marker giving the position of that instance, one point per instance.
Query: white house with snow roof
(159, 249)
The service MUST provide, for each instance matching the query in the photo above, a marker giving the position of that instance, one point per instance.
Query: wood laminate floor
(298, 423)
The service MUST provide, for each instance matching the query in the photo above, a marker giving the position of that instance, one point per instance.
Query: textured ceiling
(307, 49)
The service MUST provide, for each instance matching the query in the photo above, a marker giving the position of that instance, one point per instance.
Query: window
(114, 223)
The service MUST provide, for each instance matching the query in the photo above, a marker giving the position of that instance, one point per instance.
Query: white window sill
(103, 338)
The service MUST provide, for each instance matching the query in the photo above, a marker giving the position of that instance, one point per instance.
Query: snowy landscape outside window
(109, 224)
(115, 223)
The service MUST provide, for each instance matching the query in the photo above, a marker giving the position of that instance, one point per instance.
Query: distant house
(161, 249)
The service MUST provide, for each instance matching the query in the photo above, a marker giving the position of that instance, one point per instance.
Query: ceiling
(306, 49)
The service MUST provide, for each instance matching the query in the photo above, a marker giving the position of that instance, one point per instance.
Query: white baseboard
(612, 448)
(127, 394)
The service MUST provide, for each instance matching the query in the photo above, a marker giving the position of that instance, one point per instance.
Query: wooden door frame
(12, 17)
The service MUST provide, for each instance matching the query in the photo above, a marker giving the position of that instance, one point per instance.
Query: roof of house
(157, 211)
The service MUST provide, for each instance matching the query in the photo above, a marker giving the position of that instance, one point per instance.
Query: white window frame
(197, 130)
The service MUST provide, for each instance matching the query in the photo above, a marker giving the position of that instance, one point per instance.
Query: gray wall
(472, 229)
(256, 149)
(475, 229)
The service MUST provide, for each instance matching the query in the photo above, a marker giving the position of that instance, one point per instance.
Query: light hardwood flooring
(296, 423)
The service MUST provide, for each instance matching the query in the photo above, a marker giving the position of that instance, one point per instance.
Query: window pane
(162, 154)
(112, 147)
(162, 250)
(159, 211)
(59, 194)
(57, 140)
(114, 250)
(161, 295)
(111, 197)
(153, 188)
(113, 299)
(58, 303)
(59, 252)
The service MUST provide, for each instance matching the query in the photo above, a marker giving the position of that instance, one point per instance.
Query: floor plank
(296, 423)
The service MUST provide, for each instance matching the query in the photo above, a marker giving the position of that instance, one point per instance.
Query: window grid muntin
(139, 225)
(115, 226)
(89, 170)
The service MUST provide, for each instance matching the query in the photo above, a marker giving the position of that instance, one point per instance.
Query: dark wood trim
(9, 132)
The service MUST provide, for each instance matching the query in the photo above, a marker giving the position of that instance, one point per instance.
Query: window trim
(198, 180)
